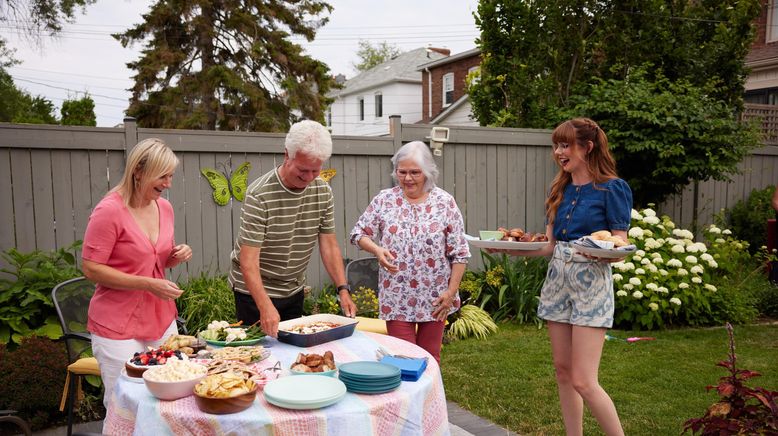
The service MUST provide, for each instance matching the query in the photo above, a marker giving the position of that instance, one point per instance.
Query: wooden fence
(52, 176)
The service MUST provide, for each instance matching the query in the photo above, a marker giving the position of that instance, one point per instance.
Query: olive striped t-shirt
(285, 224)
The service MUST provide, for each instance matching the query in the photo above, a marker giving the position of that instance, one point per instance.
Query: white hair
(309, 137)
(419, 153)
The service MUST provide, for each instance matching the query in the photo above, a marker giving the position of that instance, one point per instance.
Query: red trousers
(427, 335)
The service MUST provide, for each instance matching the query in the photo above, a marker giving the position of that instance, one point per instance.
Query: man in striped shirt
(285, 212)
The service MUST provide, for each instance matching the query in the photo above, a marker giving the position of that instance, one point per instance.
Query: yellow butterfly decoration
(328, 174)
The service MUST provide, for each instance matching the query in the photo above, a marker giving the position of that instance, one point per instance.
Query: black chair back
(363, 272)
(71, 300)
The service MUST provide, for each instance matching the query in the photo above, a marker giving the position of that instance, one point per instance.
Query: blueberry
(153, 361)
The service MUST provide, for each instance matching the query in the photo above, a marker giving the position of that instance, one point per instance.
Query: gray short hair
(418, 152)
(310, 138)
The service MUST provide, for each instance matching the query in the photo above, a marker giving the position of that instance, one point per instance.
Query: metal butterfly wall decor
(226, 185)
(328, 174)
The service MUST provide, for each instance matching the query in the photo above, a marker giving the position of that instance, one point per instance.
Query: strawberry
(161, 360)
(144, 359)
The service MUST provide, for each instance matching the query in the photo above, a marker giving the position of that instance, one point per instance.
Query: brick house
(444, 100)
(762, 83)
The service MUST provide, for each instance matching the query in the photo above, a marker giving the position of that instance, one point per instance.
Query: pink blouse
(114, 238)
(425, 238)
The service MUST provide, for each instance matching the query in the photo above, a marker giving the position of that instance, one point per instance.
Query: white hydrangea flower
(669, 224)
(661, 226)
(635, 215)
(682, 272)
(658, 260)
(628, 286)
(710, 287)
(640, 271)
(637, 295)
(674, 263)
(675, 301)
(630, 266)
(656, 255)
(677, 249)
(696, 280)
(649, 212)
(714, 229)
(697, 247)
(719, 241)
(663, 272)
(687, 234)
(652, 268)
(677, 233)
(683, 286)
(653, 306)
(726, 232)
(652, 244)
(663, 290)
(652, 286)
(635, 232)
(651, 220)
(634, 281)
(661, 241)
(706, 257)
(691, 259)
(617, 277)
(713, 264)
(636, 258)
(648, 233)
(645, 261)
(621, 293)
(640, 253)
(673, 241)
(697, 269)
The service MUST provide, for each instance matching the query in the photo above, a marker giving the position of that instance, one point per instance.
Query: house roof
(449, 59)
(403, 68)
(450, 109)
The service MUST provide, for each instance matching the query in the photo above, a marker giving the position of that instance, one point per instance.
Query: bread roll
(601, 235)
(618, 242)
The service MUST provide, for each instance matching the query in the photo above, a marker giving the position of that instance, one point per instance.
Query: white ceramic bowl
(491, 235)
(171, 390)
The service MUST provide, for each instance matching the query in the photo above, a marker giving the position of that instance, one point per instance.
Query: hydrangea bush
(670, 278)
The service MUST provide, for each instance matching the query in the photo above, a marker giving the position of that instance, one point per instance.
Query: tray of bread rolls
(603, 244)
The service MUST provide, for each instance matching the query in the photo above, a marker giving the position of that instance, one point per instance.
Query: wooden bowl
(223, 406)
(134, 371)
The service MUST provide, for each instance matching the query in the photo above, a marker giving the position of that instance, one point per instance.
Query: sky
(85, 58)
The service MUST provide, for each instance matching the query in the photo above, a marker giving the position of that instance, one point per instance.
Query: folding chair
(10, 416)
(71, 299)
(364, 272)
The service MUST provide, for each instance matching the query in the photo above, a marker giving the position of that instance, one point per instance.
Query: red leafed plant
(741, 410)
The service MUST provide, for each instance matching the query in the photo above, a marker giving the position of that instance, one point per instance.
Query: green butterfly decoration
(225, 186)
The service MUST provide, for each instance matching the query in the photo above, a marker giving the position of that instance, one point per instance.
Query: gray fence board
(62, 180)
(7, 231)
(23, 208)
(43, 199)
(82, 191)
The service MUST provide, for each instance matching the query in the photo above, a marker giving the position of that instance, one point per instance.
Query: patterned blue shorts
(577, 290)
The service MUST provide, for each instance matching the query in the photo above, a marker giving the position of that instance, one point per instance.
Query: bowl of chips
(173, 380)
(225, 392)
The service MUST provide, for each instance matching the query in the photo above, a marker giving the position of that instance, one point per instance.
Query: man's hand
(347, 304)
(269, 319)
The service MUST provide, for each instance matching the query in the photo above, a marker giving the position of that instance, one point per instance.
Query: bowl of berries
(143, 360)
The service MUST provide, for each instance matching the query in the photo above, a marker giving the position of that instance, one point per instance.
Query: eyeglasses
(413, 173)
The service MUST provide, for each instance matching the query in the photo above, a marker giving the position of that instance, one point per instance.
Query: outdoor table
(415, 408)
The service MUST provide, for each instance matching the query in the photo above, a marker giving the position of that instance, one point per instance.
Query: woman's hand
(386, 260)
(164, 289)
(443, 305)
(181, 253)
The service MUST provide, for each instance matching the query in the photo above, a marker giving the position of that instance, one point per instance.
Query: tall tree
(227, 65)
(635, 66)
(79, 112)
(37, 16)
(371, 55)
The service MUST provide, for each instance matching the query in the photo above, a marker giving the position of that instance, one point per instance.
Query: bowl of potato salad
(175, 379)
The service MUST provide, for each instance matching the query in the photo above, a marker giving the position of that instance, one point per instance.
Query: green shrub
(324, 301)
(31, 379)
(748, 218)
(366, 301)
(205, 299)
(25, 301)
(508, 288)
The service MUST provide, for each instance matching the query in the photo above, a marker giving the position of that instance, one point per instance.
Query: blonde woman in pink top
(127, 247)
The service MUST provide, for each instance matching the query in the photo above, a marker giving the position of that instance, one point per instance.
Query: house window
(771, 26)
(361, 109)
(329, 117)
(474, 73)
(379, 105)
(448, 89)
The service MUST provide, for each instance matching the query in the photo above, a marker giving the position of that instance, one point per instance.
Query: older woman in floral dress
(416, 232)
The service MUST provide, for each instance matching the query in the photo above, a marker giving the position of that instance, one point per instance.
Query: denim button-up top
(585, 210)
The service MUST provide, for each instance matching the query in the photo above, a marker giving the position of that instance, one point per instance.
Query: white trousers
(112, 353)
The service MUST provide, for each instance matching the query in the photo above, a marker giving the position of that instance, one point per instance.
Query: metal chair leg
(71, 400)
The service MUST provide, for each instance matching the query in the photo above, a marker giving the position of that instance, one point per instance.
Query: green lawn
(656, 385)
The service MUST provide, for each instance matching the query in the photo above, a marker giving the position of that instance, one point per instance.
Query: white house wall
(402, 99)
(461, 116)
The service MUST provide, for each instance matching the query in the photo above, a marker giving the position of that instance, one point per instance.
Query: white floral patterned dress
(425, 238)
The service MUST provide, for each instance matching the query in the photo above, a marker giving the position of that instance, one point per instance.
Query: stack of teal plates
(367, 377)
(304, 393)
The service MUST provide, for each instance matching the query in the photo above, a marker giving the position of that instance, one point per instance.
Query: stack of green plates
(368, 377)
(304, 393)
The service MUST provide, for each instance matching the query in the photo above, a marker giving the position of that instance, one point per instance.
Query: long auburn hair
(599, 161)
